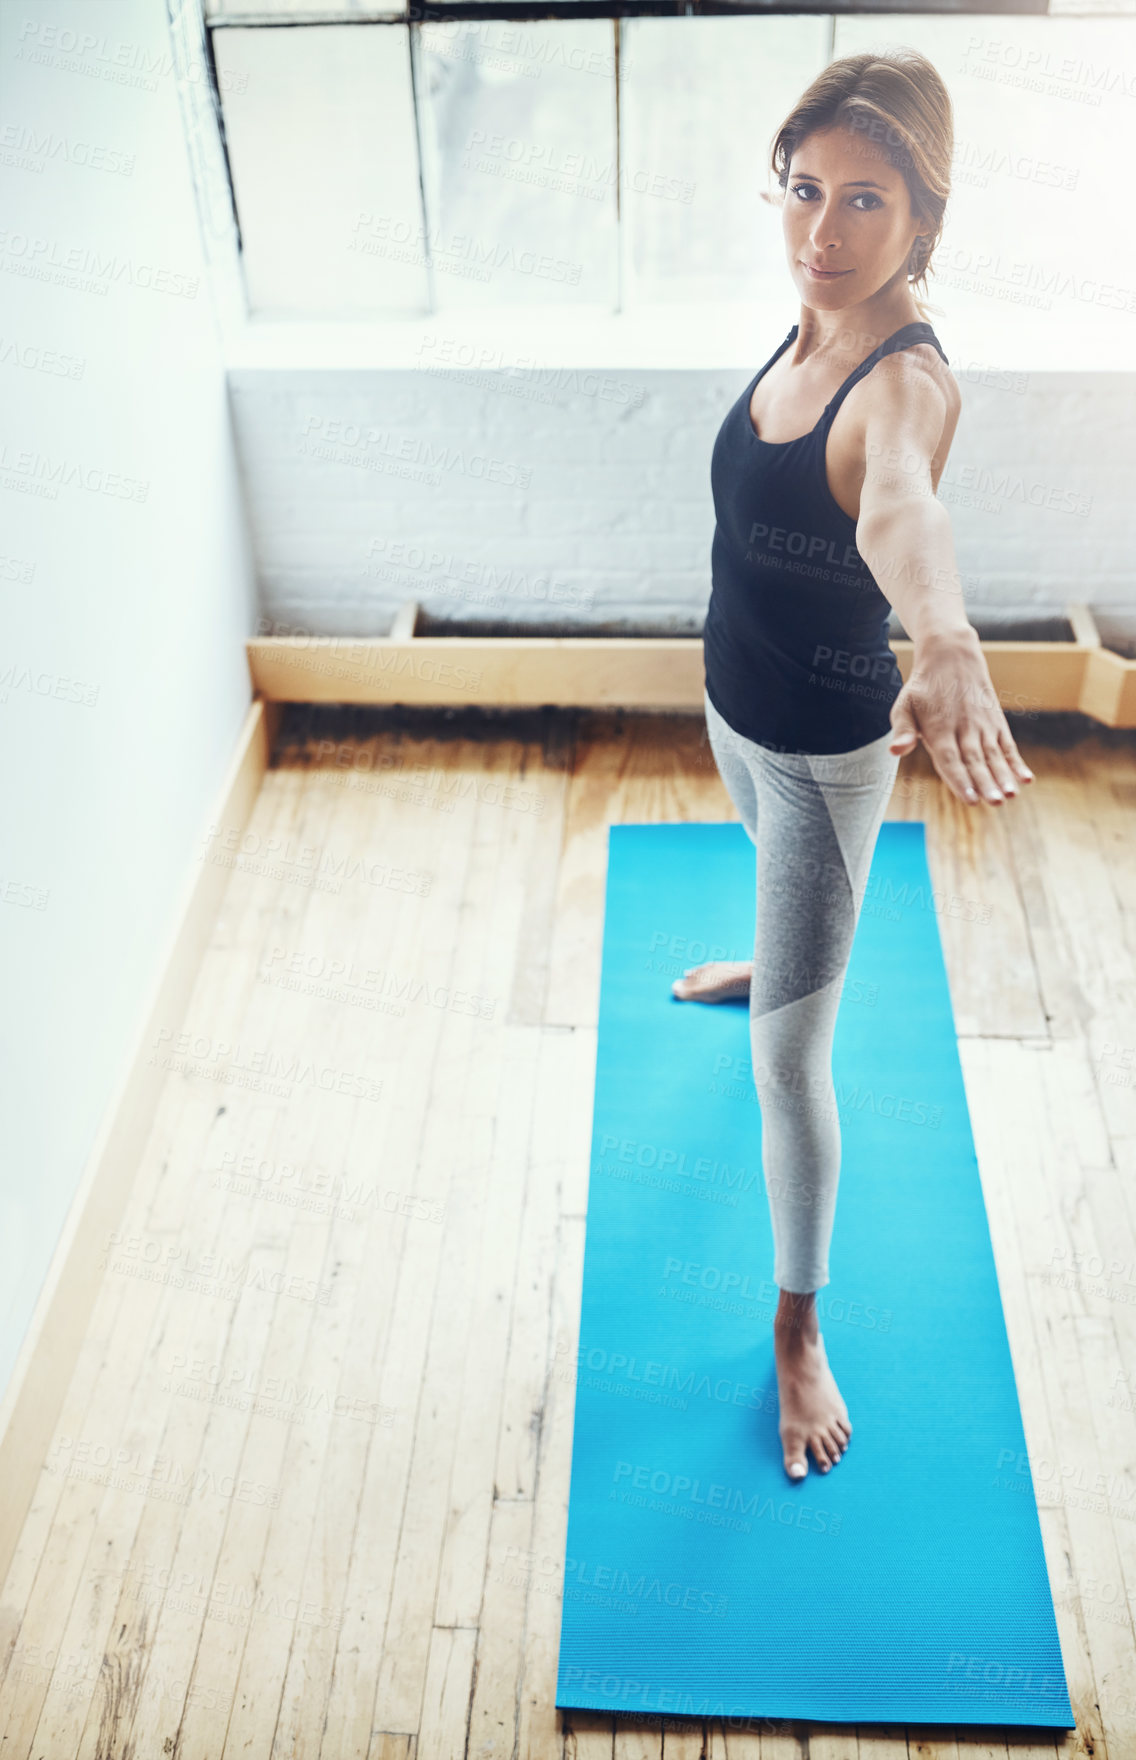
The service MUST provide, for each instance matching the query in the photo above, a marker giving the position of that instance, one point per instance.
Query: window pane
(701, 101)
(235, 11)
(518, 124)
(1125, 7)
(319, 122)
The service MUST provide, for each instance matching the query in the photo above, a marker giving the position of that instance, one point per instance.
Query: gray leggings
(819, 815)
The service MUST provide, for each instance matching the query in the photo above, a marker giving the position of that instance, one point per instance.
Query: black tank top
(795, 642)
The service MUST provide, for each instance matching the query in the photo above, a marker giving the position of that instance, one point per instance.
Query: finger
(904, 730)
(1013, 756)
(974, 758)
(997, 765)
(948, 762)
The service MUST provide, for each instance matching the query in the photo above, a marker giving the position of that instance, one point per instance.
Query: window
(394, 167)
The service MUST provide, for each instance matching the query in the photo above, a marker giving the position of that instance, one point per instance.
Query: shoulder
(910, 394)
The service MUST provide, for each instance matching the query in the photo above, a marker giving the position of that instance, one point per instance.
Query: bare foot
(719, 981)
(813, 1414)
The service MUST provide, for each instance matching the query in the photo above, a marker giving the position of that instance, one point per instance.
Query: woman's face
(846, 209)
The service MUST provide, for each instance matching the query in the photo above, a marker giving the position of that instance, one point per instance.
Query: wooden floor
(308, 1492)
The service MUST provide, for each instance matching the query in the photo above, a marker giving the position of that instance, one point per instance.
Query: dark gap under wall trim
(1042, 627)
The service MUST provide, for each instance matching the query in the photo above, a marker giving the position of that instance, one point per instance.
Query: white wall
(125, 581)
(583, 494)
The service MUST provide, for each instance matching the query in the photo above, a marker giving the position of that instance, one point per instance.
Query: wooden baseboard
(50, 1349)
(631, 672)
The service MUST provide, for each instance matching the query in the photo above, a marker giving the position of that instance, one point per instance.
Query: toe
(821, 1452)
(795, 1463)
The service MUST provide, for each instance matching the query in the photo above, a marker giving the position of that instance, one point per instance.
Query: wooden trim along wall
(50, 1349)
(635, 672)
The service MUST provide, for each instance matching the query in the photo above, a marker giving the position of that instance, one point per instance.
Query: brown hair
(897, 99)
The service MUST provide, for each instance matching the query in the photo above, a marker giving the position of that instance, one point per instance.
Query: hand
(950, 703)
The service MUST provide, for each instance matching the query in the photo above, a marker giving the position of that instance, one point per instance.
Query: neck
(856, 330)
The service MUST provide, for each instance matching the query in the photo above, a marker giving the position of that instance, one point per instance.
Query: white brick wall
(585, 497)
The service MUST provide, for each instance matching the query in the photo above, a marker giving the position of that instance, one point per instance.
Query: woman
(826, 517)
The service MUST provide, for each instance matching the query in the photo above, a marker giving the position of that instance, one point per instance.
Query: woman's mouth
(825, 274)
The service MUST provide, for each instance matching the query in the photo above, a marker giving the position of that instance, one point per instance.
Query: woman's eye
(864, 196)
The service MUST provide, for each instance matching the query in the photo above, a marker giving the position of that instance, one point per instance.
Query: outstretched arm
(904, 535)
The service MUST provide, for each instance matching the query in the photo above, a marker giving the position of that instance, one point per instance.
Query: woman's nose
(824, 232)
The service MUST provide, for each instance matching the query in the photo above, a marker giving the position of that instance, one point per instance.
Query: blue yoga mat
(908, 1584)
